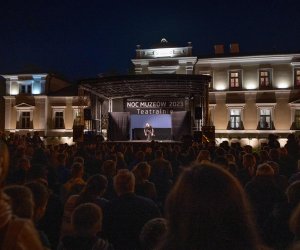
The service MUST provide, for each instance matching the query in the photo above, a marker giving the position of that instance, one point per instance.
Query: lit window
(264, 78)
(25, 120)
(265, 121)
(207, 73)
(235, 79)
(235, 119)
(297, 77)
(59, 120)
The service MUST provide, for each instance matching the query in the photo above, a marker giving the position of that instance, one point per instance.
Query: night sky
(81, 39)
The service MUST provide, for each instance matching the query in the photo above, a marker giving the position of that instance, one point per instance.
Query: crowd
(135, 196)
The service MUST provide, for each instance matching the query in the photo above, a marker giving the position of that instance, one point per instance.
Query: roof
(147, 85)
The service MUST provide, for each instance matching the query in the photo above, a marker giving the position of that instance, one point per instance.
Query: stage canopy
(147, 86)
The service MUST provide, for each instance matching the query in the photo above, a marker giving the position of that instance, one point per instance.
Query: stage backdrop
(161, 124)
(119, 124)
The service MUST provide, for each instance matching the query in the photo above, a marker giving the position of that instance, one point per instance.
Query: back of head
(109, 168)
(124, 182)
(4, 161)
(87, 219)
(40, 195)
(77, 169)
(98, 182)
(264, 170)
(142, 170)
(152, 233)
(293, 193)
(21, 201)
(208, 209)
(159, 154)
(249, 161)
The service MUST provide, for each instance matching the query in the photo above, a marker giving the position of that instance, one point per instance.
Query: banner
(154, 106)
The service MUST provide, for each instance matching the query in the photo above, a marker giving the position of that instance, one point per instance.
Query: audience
(129, 201)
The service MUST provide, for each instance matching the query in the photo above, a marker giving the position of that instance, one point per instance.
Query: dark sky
(80, 39)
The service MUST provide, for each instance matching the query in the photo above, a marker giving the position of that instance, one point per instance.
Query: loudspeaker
(87, 113)
(198, 113)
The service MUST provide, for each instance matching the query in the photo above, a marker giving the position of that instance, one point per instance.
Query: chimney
(219, 49)
(234, 48)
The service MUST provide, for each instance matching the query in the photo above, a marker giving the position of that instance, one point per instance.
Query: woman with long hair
(208, 209)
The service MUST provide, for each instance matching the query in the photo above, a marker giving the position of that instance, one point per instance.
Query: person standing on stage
(149, 131)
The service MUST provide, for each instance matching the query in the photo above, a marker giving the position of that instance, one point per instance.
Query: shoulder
(24, 234)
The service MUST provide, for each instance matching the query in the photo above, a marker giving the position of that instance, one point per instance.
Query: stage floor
(145, 141)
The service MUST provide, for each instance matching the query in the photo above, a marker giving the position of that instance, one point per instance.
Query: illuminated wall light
(36, 90)
(220, 86)
(14, 91)
(283, 85)
(250, 85)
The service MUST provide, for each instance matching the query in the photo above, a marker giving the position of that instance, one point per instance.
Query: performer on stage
(149, 131)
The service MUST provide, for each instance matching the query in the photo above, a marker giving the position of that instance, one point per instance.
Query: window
(59, 120)
(235, 119)
(208, 73)
(25, 120)
(265, 78)
(265, 121)
(297, 77)
(297, 119)
(25, 88)
(235, 79)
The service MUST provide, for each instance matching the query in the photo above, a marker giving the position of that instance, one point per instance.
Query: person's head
(61, 159)
(124, 182)
(274, 154)
(21, 201)
(140, 156)
(4, 161)
(294, 223)
(264, 170)
(152, 233)
(159, 154)
(275, 166)
(203, 156)
(142, 171)
(249, 163)
(40, 195)
(109, 168)
(96, 185)
(77, 170)
(87, 220)
(293, 193)
(208, 209)
(79, 159)
(24, 164)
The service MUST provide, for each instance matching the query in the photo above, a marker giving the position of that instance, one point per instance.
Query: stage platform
(144, 141)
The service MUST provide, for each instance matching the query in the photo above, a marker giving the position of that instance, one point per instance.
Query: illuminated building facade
(40, 102)
(250, 96)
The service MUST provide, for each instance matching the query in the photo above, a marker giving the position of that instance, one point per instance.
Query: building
(40, 102)
(250, 96)
(238, 97)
